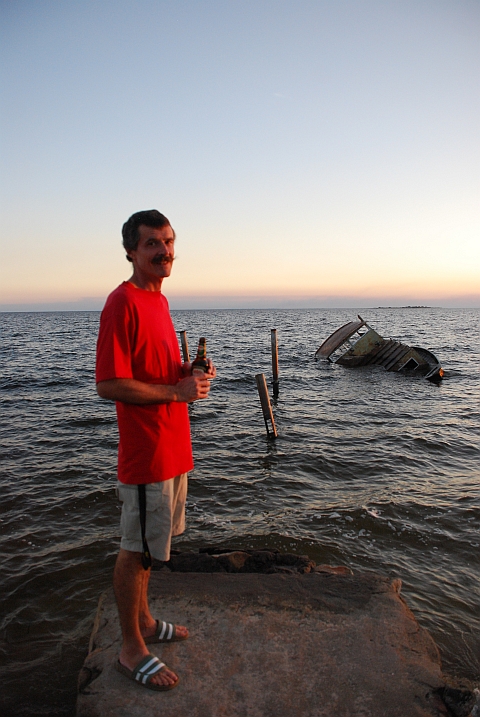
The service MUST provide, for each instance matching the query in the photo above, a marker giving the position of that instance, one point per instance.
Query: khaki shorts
(165, 515)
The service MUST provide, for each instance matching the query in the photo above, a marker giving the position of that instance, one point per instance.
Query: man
(139, 367)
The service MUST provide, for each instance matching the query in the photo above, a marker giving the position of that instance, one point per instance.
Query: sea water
(371, 469)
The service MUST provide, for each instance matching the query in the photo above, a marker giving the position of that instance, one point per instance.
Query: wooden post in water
(183, 339)
(266, 406)
(275, 362)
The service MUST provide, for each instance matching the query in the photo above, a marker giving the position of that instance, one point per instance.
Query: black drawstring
(142, 501)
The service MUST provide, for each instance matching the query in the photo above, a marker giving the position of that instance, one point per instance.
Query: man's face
(154, 254)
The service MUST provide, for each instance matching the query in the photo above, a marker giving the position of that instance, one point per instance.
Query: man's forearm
(129, 390)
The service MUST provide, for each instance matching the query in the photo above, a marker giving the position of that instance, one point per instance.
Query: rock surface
(298, 641)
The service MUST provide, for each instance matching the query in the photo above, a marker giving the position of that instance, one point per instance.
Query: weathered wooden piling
(183, 339)
(274, 362)
(266, 405)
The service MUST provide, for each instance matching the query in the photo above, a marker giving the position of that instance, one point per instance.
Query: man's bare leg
(128, 585)
(147, 622)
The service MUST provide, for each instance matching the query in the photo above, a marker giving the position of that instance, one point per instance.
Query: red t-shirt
(137, 340)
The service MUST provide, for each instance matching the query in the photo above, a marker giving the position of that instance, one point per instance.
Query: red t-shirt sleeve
(114, 345)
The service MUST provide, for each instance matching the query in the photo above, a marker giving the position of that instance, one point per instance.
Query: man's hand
(193, 388)
(211, 373)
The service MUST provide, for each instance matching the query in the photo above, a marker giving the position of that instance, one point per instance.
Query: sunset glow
(301, 151)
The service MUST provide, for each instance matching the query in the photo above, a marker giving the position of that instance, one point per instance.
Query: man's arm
(129, 390)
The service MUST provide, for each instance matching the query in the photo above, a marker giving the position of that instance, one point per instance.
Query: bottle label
(199, 364)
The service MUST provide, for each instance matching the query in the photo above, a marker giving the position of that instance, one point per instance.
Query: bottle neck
(202, 349)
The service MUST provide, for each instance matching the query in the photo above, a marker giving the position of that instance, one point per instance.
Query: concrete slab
(270, 645)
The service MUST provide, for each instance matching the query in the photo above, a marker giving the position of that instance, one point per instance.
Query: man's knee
(128, 560)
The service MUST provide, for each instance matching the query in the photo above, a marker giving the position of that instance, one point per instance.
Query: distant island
(406, 307)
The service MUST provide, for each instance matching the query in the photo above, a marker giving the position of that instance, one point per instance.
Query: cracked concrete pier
(318, 644)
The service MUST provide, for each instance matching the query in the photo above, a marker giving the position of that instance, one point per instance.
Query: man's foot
(161, 631)
(149, 672)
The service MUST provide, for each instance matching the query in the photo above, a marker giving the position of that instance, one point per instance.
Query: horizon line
(190, 303)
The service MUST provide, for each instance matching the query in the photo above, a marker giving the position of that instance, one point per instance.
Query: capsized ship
(357, 344)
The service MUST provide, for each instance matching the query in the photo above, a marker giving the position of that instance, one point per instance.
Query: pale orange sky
(299, 150)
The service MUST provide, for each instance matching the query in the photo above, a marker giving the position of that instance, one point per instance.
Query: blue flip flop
(145, 671)
(165, 632)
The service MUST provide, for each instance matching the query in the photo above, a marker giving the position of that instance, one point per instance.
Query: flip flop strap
(165, 626)
(148, 668)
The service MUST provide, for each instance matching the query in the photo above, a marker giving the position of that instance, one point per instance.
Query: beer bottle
(199, 364)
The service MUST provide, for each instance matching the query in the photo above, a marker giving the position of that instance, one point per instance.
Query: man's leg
(147, 623)
(170, 520)
(129, 583)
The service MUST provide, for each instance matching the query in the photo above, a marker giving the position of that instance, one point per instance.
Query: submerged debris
(357, 344)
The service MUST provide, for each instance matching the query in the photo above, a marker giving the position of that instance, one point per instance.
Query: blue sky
(307, 153)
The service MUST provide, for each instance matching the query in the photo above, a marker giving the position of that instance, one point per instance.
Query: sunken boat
(357, 344)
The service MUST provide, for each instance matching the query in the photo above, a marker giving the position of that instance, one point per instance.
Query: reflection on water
(371, 469)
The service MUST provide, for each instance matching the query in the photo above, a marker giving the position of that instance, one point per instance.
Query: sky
(307, 152)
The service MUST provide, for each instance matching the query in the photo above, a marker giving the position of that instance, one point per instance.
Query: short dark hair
(150, 218)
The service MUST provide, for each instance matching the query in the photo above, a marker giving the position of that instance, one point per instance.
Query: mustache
(163, 259)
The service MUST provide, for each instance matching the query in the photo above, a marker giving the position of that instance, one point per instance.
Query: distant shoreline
(407, 307)
(5, 309)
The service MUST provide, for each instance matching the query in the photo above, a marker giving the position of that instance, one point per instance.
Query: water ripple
(371, 469)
